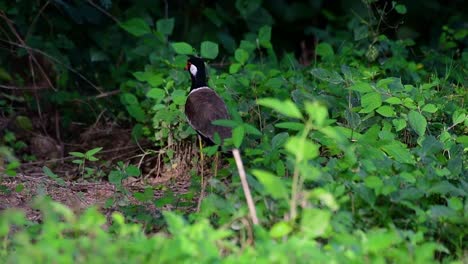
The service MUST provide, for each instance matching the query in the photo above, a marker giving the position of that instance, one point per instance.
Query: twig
(104, 11)
(106, 94)
(55, 60)
(245, 186)
(39, 13)
(9, 87)
(33, 58)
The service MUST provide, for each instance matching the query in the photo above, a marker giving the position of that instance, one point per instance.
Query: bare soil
(80, 193)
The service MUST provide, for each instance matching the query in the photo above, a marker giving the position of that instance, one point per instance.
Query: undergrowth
(358, 157)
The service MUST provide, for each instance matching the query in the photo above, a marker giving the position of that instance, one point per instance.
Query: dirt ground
(79, 193)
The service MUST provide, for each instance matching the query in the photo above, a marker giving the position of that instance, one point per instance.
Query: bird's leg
(216, 164)
(202, 191)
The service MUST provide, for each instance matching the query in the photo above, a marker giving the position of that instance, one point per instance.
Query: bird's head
(196, 67)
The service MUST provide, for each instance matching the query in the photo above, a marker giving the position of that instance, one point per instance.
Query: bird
(204, 105)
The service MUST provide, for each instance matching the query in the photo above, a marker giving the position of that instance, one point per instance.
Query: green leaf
(115, 177)
(129, 99)
(225, 123)
(303, 149)
(386, 111)
(315, 222)
(234, 68)
(179, 97)
(401, 9)
(24, 123)
(92, 152)
(77, 154)
(393, 100)
(136, 26)
(54, 176)
(264, 36)
(317, 112)
(442, 212)
(274, 83)
(295, 126)
(430, 108)
(247, 7)
(431, 145)
(417, 122)
(251, 130)
(4, 75)
(241, 56)
(327, 76)
(399, 124)
(354, 120)
(444, 188)
(182, 48)
(238, 136)
(273, 185)
(399, 152)
(362, 87)
(370, 102)
(209, 49)
(373, 182)
(361, 32)
(280, 229)
(147, 195)
(324, 50)
(458, 117)
(455, 203)
(463, 140)
(287, 107)
(156, 93)
(20, 187)
(132, 171)
(176, 223)
(165, 26)
(136, 112)
(379, 240)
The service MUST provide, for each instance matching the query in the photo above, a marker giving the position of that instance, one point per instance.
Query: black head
(196, 68)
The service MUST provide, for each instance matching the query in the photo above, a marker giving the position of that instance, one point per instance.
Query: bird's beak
(187, 66)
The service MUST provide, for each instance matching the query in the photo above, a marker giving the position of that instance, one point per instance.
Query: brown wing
(203, 106)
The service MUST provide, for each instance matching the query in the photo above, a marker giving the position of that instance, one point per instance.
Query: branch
(245, 186)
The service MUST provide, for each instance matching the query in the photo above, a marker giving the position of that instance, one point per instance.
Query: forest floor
(80, 192)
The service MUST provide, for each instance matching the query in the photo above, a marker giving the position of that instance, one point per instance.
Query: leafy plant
(82, 158)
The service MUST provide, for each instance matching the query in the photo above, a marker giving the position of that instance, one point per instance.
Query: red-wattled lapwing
(203, 106)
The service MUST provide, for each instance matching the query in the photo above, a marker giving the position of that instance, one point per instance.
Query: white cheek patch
(193, 70)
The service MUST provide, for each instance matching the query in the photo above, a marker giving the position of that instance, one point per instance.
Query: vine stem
(245, 186)
(297, 182)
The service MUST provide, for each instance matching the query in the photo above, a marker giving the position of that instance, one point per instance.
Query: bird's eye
(193, 69)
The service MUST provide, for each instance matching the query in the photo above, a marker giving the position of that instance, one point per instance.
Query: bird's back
(204, 106)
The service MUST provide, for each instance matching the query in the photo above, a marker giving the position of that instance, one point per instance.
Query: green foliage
(85, 172)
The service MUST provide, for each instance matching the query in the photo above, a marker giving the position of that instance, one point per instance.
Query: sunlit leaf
(182, 48)
(302, 148)
(238, 136)
(280, 229)
(370, 102)
(287, 107)
(273, 185)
